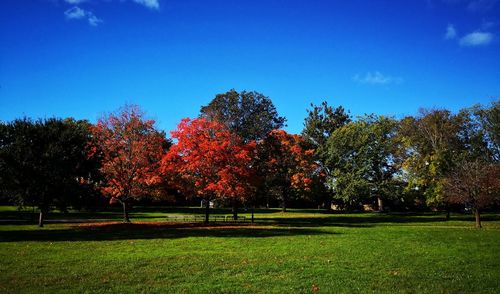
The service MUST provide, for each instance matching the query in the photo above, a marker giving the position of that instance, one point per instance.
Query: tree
(289, 167)
(131, 149)
(250, 115)
(321, 122)
(44, 163)
(361, 158)
(209, 161)
(474, 183)
(480, 131)
(430, 145)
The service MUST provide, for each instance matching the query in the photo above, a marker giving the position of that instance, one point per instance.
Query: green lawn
(282, 253)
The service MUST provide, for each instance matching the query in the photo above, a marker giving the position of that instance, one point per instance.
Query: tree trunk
(207, 210)
(125, 212)
(380, 203)
(283, 205)
(329, 205)
(33, 215)
(478, 218)
(234, 209)
(253, 208)
(41, 218)
(447, 214)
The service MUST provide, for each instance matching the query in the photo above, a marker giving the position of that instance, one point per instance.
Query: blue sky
(84, 58)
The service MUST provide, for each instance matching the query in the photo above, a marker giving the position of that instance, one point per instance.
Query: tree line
(236, 153)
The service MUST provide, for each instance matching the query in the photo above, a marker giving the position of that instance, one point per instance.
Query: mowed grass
(282, 253)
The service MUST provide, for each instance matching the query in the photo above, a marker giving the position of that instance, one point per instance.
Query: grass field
(282, 253)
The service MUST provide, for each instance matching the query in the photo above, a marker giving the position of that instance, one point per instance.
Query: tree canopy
(250, 115)
(209, 161)
(44, 163)
(131, 149)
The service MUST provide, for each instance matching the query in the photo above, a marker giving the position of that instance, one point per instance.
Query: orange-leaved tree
(131, 149)
(289, 167)
(208, 161)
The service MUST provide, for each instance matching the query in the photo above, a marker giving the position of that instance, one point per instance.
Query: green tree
(361, 158)
(250, 115)
(44, 163)
(430, 148)
(320, 123)
(480, 131)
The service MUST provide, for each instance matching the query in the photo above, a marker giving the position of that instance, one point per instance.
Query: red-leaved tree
(131, 149)
(474, 183)
(208, 161)
(288, 166)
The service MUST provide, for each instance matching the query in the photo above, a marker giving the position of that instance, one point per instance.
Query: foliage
(475, 184)
(361, 158)
(431, 146)
(321, 122)
(480, 132)
(250, 115)
(131, 149)
(289, 166)
(209, 161)
(43, 163)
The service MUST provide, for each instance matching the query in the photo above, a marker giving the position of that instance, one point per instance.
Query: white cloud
(152, 4)
(79, 13)
(376, 78)
(476, 38)
(451, 32)
(75, 1)
(93, 20)
(75, 13)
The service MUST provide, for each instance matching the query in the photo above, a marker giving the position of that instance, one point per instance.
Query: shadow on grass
(121, 231)
(370, 219)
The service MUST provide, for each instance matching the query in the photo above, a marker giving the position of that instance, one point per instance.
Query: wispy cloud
(75, 13)
(451, 32)
(481, 5)
(376, 78)
(75, 1)
(79, 13)
(476, 38)
(152, 4)
(93, 20)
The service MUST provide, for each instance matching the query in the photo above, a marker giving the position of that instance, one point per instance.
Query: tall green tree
(480, 131)
(250, 115)
(430, 145)
(321, 122)
(361, 158)
(44, 163)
